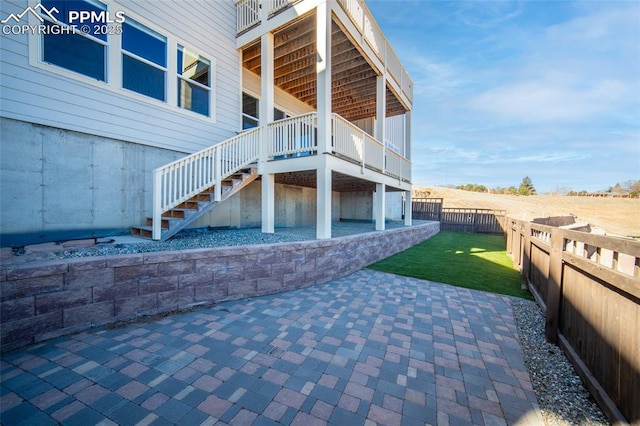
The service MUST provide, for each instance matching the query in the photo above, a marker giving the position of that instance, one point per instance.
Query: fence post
(525, 259)
(508, 237)
(552, 313)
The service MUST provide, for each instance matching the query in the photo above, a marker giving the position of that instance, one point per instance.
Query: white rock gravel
(562, 397)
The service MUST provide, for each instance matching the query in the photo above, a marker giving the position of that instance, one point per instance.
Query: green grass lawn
(476, 261)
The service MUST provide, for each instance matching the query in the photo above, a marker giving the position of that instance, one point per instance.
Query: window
(279, 115)
(250, 112)
(148, 61)
(144, 60)
(75, 51)
(194, 81)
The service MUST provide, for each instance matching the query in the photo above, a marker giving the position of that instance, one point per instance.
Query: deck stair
(182, 215)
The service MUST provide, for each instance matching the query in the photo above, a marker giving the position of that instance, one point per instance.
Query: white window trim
(113, 72)
(212, 80)
(242, 113)
(36, 42)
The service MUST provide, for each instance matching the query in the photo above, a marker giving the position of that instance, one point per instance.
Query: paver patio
(370, 348)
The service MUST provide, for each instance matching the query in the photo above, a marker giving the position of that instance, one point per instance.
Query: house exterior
(255, 113)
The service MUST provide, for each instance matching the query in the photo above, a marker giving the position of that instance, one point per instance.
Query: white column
(267, 97)
(323, 203)
(266, 116)
(268, 203)
(408, 209)
(381, 107)
(323, 71)
(379, 206)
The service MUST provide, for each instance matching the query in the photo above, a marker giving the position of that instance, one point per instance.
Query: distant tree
(526, 187)
(617, 189)
(472, 187)
(633, 187)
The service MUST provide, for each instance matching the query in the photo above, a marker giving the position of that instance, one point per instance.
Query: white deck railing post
(363, 150)
(217, 175)
(158, 190)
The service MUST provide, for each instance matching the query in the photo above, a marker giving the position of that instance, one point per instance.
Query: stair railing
(182, 179)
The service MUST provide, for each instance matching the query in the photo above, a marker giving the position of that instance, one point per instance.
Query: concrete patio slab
(370, 348)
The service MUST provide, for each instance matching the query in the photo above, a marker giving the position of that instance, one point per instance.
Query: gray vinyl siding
(43, 96)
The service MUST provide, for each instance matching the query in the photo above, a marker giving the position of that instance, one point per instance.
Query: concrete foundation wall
(359, 205)
(294, 206)
(51, 299)
(55, 180)
(356, 205)
(394, 206)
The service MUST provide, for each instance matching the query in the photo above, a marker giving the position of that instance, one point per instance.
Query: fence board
(459, 219)
(589, 287)
(427, 208)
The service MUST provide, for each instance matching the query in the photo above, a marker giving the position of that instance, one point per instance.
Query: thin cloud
(487, 14)
(547, 100)
(502, 89)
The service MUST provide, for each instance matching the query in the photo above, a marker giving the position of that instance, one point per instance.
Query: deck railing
(294, 136)
(373, 35)
(354, 143)
(276, 6)
(182, 179)
(396, 164)
(362, 18)
(297, 136)
(354, 11)
(247, 14)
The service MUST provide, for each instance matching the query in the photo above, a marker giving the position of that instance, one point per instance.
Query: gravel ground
(562, 397)
(190, 239)
(185, 240)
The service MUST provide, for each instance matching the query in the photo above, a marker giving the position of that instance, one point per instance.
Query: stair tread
(228, 186)
(143, 227)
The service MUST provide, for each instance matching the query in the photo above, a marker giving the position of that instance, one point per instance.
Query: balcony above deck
(360, 53)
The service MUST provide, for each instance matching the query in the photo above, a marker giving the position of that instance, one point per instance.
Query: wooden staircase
(187, 212)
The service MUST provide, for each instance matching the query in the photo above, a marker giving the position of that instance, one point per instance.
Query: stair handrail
(178, 181)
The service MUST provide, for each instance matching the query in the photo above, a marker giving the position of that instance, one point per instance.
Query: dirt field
(616, 216)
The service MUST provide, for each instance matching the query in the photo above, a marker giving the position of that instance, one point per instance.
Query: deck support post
(381, 112)
(323, 71)
(268, 203)
(323, 203)
(379, 206)
(267, 97)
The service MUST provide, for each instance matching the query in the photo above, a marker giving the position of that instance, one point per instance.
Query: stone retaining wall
(40, 301)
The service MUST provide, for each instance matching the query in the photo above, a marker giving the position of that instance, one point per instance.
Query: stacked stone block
(40, 301)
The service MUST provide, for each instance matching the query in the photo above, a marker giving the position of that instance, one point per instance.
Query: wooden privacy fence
(426, 209)
(459, 219)
(589, 287)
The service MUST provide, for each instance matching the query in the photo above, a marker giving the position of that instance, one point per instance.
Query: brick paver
(370, 348)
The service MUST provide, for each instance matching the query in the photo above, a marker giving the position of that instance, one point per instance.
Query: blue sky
(507, 89)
